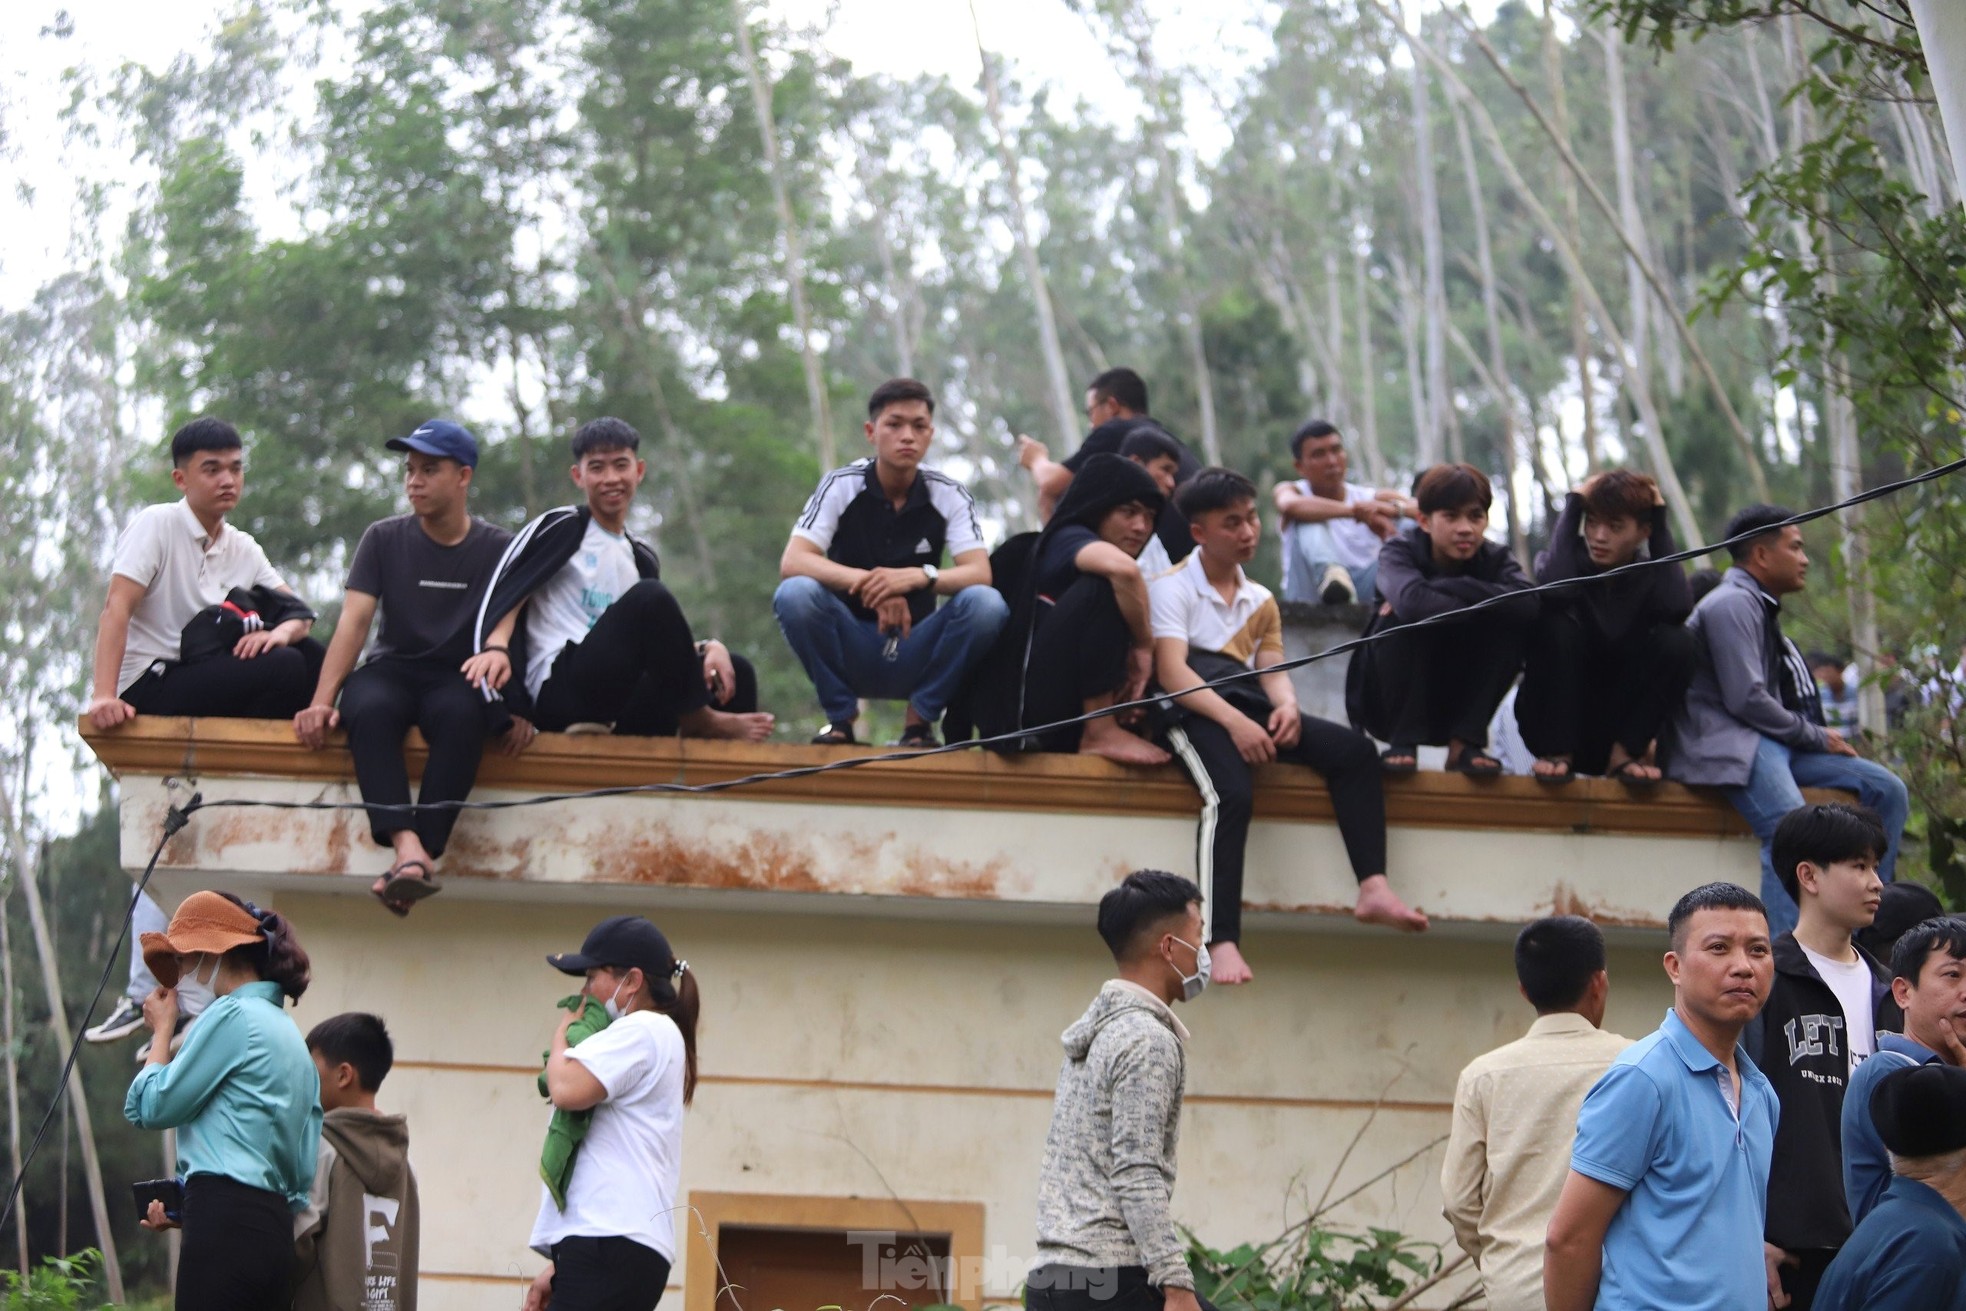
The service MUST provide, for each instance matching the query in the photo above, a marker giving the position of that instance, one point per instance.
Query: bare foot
(1379, 904)
(1103, 737)
(1226, 965)
(754, 727)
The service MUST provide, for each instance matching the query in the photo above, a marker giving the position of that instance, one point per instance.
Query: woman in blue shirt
(242, 1094)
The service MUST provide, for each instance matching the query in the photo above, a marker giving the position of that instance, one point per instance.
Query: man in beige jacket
(1515, 1111)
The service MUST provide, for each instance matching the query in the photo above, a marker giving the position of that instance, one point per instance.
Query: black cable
(176, 818)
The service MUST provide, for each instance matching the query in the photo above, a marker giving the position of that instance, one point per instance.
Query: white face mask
(193, 993)
(613, 1005)
(1192, 984)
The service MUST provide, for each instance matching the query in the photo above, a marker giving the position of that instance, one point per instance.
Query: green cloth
(566, 1129)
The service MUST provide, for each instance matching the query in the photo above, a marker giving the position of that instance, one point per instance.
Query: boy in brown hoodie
(357, 1240)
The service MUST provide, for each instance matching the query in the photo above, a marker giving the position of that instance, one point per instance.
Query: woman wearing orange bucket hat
(243, 1095)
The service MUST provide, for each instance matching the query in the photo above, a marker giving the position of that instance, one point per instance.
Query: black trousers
(238, 1251)
(637, 669)
(1078, 651)
(1800, 1281)
(1351, 771)
(1094, 1288)
(381, 702)
(606, 1274)
(1582, 694)
(275, 684)
(1441, 682)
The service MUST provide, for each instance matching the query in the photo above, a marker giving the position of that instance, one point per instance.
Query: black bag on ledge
(216, 629)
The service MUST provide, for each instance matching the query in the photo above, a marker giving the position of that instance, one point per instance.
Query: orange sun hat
(205, 922)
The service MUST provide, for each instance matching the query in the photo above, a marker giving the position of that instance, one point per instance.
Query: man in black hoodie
(600, 640)
(1440, 685)
(1608, 662)
(1079, 635)
(1830, 1001)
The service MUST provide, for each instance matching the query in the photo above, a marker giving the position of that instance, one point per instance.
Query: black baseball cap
(1921, 1111)
(442, 438)
(621, 942)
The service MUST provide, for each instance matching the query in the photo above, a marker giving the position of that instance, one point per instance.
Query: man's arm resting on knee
(970, 569)
(1104, 560)
(1294, 506)
(350, 632)
(105, 709)
(804, 559)
(1573, 1256)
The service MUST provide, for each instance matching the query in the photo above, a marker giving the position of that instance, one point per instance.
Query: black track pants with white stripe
(1351, 771)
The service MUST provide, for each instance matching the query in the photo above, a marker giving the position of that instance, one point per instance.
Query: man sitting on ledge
(604, 642)
(1751, 722)
(427, 571)
(862, 572)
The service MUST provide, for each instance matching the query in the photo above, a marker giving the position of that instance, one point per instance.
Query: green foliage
(59, 1283)
(1312, 1268)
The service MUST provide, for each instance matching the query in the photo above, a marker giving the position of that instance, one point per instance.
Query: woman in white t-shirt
(610, 1247)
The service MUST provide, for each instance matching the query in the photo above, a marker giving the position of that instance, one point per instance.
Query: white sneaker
(121, 1022)
(588, 728)
(1336, 587)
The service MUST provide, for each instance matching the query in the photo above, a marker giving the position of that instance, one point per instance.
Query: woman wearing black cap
(612, 1243)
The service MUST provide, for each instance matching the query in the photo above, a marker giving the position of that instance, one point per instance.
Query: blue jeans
(1774, 788)
(842, 653)
(1309, 549)
(148, 917)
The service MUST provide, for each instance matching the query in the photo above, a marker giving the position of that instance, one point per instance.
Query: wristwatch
(930, 572)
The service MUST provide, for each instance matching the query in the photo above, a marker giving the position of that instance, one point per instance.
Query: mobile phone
(168, 1191)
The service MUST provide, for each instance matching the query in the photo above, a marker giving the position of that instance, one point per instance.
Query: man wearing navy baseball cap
(428, 571)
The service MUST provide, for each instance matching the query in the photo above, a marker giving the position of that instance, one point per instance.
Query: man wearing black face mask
(1104, 1228)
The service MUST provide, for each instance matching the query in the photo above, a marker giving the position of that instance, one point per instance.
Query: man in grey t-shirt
(428, 571)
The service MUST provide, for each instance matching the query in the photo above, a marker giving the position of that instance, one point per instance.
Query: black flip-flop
(402, 890)
(1564, 774)
(1476, 764)
(1623, 774)
(835, 735)
(918, 737)
(1410, 765)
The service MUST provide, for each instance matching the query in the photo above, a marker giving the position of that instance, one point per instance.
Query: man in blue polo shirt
(1668, 1187)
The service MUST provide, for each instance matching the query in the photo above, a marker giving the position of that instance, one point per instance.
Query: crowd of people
(1136, 585)
(294, 1193)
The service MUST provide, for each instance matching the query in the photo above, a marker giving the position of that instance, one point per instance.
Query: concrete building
(887, 956)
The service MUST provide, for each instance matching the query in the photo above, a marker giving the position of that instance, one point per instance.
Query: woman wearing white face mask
(611, 1244)
(242, 1094)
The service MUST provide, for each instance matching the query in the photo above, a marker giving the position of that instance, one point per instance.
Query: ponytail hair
(278, 956)
(678, 998)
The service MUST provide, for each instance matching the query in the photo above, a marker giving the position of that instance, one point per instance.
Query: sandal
(1399, 760)
(401, 889)
(918, 737)
(835, 735)
(1475, 764)
(1623, 774)
(1562, 774)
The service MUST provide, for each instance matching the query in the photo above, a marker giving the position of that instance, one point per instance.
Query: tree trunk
(1580, 337)
(1408, 311)
(788, 231)
(1668, 476)
(1430, 428)
(1498, 367)
(1749, 455)
(1942, 34)
(1064, 414)
(64, 1039)
(1368, 394)
(1637, 297)
(10, 1031)
(1334, 315)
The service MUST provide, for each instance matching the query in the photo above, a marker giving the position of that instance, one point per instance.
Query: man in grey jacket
(1752, 723)
(1106, 1236)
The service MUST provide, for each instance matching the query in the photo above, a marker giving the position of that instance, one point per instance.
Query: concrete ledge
(1031, 839)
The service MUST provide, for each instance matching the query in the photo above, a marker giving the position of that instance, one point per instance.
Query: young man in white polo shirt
(1209, 621)
(175, 561)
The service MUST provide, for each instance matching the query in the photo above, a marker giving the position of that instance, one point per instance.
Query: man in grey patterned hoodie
(1106, 1237)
